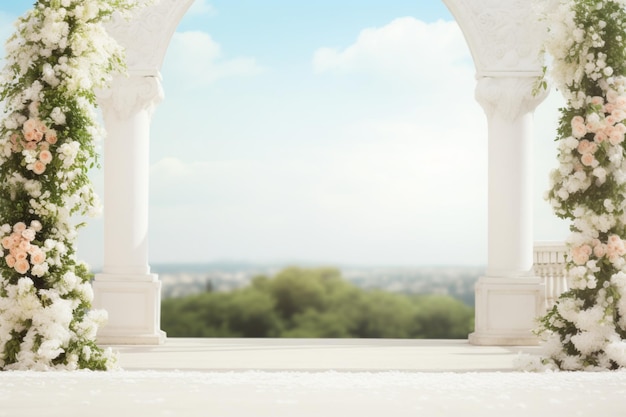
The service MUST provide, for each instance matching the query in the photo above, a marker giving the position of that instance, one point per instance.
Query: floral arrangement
(57, 58)
(586, 329)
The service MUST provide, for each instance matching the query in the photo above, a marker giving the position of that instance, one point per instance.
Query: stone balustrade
(549, 264)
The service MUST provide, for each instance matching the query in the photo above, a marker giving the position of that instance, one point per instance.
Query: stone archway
(504, 39)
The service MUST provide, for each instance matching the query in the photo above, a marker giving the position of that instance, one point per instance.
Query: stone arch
(504, 38)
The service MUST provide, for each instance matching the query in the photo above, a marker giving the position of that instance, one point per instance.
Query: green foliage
(315, 303)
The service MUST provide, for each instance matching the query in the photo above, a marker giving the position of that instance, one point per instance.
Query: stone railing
(549, 264)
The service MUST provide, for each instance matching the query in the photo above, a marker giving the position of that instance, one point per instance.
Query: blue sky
(339, 132)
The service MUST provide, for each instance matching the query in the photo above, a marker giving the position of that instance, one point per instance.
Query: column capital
(131, 94)
(508, 97)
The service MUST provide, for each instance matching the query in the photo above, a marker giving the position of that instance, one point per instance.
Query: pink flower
(615, 247)
(37, 256)
(19, 255)
(616, 137)
(45, 156)
(599, 250)
(597, 100)
(24, 245)
(588, 160)
(33, 136)
(10, 260)
(610, 120)
(39, 167)
(41, 127)
(16, 239)
(22, 266)
(19, 227)
(7, 242)
(581, 254)
(619, 114)
(31, 146)
(578, 127)
(587, 147)
(29, 125)
(579, 131)
(51, 137)
(600, 137)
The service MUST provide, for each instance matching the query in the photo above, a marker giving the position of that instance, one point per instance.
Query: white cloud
(194, 59)
(406, 47)
(201, 7)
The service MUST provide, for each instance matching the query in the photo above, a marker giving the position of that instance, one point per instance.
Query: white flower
(58, 116)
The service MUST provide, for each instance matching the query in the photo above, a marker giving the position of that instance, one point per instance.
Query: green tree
(315, 303)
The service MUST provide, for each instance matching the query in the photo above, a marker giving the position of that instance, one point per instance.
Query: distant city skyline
(322, 132)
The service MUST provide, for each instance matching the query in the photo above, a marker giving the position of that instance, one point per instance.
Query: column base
(507, 310)
(134, 307)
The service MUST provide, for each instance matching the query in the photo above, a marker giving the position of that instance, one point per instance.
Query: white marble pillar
(509, 297)
(126, 288)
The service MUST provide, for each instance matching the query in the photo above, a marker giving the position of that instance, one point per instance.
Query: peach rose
(578, 127)
(41, 127)
(20, 255)
(45, 156)
(10, 260)
(610, 120)
(39, 167)
(31, 146)
(615, 247)
(599, 250)
(24, 246)
(619, 114)
(22, 266)
(600, 137)
(30, 136)
(587, 147)
(597, 100)
(19, 227)
(579, 131)
(29, 125)
(37, 257)
(588, 159)
(7, 242)
(609, 108)
(581, 254)
(16, 239)
(616, 137)
(51, 137)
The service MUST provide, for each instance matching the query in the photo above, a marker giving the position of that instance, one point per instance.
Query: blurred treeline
(316, 303)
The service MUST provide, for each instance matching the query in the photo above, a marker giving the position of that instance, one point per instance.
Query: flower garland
(586, 330)
(58, 56)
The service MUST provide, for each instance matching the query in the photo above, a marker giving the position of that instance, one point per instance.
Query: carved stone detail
(508, 97)
(147, 35)
(504, 36)
(130, 95)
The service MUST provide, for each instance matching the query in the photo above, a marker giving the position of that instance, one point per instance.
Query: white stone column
(126, 288)
(509, 297)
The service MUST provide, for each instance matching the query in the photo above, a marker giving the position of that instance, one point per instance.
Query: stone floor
(319, 354)
(279, 377)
